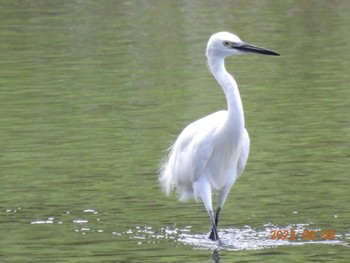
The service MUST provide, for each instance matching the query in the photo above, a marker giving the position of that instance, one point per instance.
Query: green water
(93, 92)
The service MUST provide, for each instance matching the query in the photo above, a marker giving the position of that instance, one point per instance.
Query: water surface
(92, 93)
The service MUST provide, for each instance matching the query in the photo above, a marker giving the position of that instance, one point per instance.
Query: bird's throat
(230, 88)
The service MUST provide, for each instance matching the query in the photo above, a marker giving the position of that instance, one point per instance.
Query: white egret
(211, 153)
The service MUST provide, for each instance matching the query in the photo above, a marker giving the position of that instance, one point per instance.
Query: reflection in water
(216, 257)
(231, 239)
(249, 238)
(246, 238)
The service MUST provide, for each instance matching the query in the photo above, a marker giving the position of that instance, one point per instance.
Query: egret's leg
(212, 233)
(217, 216)
(223, 193)
(203, 189)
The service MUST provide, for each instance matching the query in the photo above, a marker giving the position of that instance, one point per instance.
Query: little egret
(211, 153)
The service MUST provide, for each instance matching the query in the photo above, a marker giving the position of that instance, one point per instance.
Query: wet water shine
(92, 93)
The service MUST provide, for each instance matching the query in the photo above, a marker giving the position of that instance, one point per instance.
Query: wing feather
(190, 154)
(242, 161)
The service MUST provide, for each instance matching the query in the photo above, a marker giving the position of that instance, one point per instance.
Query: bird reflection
(216, 257)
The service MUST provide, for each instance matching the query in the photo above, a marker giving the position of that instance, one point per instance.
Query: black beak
(253, 49)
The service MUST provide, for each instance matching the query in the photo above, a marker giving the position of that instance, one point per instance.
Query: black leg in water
(214, 232)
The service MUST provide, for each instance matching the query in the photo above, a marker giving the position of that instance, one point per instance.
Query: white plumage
(211, 153)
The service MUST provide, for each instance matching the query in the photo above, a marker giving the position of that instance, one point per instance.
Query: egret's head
(224, 44)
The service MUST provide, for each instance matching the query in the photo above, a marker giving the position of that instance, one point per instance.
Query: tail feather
(168, 180)
(165, 178)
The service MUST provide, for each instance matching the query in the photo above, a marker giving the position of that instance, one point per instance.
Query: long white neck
(229, 85)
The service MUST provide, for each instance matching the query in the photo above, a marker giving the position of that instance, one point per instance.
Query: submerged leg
(203, 189)
(221, 200)
(212, 233)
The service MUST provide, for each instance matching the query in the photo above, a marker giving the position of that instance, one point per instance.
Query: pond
(94, 92)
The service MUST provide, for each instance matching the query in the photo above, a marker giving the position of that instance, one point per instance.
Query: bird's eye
(227, 44)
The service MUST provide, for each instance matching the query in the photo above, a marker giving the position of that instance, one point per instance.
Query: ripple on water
(248, 238)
